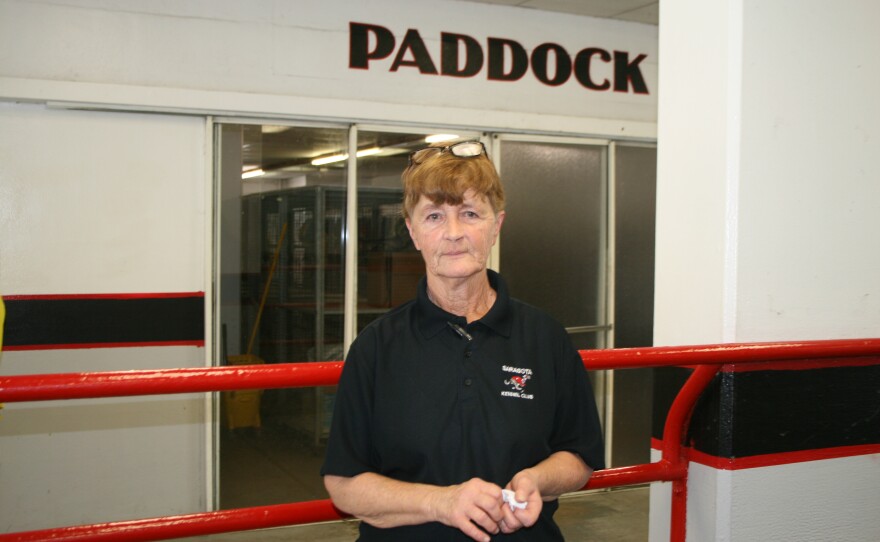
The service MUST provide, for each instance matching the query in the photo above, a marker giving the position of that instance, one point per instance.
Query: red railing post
(674, 432)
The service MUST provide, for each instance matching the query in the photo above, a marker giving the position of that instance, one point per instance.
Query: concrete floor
(277, 466)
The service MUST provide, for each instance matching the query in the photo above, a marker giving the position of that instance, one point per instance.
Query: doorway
(581, 212)
(290, 196)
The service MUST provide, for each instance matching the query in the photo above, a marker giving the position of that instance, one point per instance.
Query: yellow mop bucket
(242, 407)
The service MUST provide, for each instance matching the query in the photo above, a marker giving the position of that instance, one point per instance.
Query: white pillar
(768, 190)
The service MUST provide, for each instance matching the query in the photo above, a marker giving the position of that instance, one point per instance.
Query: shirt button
(468, 382)
(467, 353)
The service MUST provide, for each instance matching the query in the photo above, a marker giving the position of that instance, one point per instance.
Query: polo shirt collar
(433, 319)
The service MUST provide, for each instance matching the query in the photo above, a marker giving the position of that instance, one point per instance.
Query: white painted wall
(769, 172)
(282, 58)
(767, 228)
(697, 156)
(101, 203)
(817, 501)
(116, 201)
(809, 502)
(809, 227)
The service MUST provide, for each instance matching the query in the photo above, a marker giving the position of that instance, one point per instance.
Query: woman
(464, 391)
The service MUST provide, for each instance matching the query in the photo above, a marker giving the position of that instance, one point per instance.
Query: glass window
(282, 277)
(635, 201)
(281, 282)
(553, 240)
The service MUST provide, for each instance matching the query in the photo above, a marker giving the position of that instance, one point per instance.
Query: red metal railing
(672, 467)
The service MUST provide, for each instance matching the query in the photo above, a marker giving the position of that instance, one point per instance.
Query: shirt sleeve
(577, 428)
(349, 446)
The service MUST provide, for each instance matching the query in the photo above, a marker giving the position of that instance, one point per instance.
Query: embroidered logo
(519, 377)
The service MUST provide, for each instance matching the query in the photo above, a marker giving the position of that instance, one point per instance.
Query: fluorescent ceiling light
(343, 156)
(437, 138)
(251, 173)
(368, 152)
(329, 159)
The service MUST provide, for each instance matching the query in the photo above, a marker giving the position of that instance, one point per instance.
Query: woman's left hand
(526, 491)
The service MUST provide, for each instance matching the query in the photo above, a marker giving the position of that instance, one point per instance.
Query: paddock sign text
(370, 46)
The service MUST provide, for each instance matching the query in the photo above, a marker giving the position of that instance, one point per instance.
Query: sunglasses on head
(462, 149)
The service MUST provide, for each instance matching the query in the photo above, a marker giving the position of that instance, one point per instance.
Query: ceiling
(282, 150)
(639, 11)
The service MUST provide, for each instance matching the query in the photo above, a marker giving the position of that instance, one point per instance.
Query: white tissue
(509, 497)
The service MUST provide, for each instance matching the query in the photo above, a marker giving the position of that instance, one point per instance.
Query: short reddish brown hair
(444, 178)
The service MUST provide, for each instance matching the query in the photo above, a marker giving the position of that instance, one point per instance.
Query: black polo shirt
(426, 397)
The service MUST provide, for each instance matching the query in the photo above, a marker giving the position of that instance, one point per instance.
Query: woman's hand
(560, 473)
(526, 491)
(474, 507)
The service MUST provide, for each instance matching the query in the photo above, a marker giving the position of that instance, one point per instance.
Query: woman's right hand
(474, 507)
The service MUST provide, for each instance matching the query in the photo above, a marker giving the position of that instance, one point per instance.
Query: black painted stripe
(761, 412)
(103, 320)
(771, 460)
